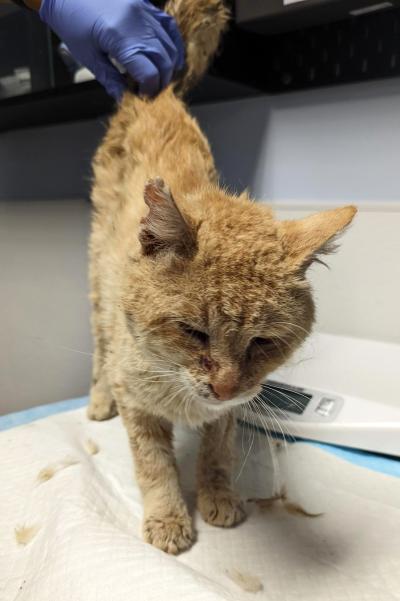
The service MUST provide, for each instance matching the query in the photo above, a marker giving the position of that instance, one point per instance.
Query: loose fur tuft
(25, 534)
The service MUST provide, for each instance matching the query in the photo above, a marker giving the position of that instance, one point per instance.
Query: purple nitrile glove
(140, 37)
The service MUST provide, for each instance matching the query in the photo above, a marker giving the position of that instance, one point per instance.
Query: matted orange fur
(197, 293)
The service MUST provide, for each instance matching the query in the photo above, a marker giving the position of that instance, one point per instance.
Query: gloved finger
(170, 26)
(153, 8)
(166, 52)
(161, 59)
(143, 72)
(169, 46)
(116, 90)
(108, 76)
(172, 41)
(158, 59)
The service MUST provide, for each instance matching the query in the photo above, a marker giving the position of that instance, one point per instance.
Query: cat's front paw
(100, 406)
(171, 534)
(221, 508)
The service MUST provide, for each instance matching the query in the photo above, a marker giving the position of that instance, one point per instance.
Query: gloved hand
(141, 38)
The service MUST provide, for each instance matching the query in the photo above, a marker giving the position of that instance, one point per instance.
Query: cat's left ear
(165, 228)
(305, 240)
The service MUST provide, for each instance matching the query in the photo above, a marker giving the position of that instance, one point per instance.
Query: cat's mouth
(216, 404)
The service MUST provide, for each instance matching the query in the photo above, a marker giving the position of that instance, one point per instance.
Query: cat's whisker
(68, 348)
(168, 361)
(160, 381)
(278, 346)
(162, 370)
(140, 377)
(275, 462)
(289, 323)
(271, 421)
(260, 404)
(263, 427)
(162, 377)
(247, 454)
(169, 400)
(294, 330)
(146, 370)
(244, 423)
(295, 402)
(290, 435)
(267, 430)
(187, 404)
(259, 434)
(248, 427)
(285, 415)
(266, 404)
(187, 410)
(287, 333)
(266, 354)
(284, 412)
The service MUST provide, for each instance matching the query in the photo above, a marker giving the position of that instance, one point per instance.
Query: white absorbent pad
(70, 514)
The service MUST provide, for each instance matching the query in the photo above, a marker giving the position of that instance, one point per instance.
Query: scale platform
(339, 390)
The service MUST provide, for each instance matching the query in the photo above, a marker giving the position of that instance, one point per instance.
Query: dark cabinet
(40, 83)
(273, 16)
(272, 46)
(25, 60)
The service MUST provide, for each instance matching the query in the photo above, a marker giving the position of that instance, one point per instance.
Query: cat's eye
(197, 335)
(265, 344)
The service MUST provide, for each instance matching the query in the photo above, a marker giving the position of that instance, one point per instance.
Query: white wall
(302, 151)
(359, 295)
(50, 162)
(335, 144)
(44, 309)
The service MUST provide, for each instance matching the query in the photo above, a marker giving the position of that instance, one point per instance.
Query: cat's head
(218, 296)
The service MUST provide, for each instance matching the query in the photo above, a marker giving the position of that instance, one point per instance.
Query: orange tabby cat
(197, 293)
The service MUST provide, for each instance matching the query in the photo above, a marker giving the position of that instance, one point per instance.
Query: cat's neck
(168, 142)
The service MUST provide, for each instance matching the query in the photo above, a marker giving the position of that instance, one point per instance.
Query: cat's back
(145, 139)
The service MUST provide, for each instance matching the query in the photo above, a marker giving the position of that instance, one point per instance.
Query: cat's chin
(223, 406)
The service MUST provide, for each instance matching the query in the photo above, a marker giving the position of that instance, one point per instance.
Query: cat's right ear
(165, 228)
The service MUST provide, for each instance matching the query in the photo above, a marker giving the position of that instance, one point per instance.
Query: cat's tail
(201, 23)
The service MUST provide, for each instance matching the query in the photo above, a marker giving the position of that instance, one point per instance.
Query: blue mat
(31, 415)
(378, 463)
(372, 461)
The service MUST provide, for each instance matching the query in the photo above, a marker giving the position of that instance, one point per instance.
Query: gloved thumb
(109, 77)
(144, 73)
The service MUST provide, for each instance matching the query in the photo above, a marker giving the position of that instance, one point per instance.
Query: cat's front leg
(101, 405)
(218, 504)
(167, 524)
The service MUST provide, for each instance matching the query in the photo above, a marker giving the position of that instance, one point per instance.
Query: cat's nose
(224, 391)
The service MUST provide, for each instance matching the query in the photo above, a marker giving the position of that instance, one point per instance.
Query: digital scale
(339, 390)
